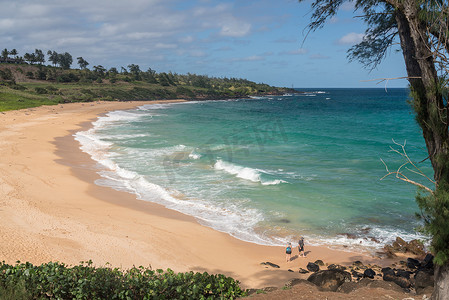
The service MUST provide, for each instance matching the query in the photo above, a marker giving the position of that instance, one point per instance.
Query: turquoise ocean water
(267, 170)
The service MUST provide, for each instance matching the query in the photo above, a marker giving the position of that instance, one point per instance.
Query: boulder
(423, 280)
(336, 267)
(389, 276)
(403, 273)
(313, 267)
(319, 262)
(428, 261)
(399, 245)
(290, 270)
(413, 263)
(402, 282)
(269, 264)
(302, 271)
(369, 273)
(358, 264)
(388, 270)
(416, 247)
(329, 280)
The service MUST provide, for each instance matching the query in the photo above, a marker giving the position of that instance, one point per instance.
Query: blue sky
(259, 40)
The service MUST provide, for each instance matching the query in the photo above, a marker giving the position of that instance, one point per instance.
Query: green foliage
(40, 90)
(58, 281)
(435, 214)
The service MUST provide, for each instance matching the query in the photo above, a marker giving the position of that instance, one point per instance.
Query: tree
(53, 57)
(135, 71)
(30, 57)
(5, 54)
(65, 60)
(82, 62)
(100, 71)
(421, 28)
(39, 56)
(14, 53)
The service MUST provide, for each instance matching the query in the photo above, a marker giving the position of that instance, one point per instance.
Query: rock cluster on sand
(399, 245)
(416, 276)
(413, 276)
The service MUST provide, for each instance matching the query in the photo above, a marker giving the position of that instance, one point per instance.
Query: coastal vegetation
(420, 28)
(27, 82)
(58, 281)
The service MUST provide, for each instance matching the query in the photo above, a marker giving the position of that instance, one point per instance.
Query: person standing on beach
(301, 247)
(288, 252)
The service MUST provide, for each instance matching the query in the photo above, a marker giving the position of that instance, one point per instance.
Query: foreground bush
(58, 281)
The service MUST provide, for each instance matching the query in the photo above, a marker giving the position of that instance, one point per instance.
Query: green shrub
(40, 90)
(58, 281)
(30, 75)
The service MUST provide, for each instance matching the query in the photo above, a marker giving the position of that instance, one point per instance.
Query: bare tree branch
(399, 173)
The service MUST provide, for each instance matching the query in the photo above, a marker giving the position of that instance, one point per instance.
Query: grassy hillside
(23, 85)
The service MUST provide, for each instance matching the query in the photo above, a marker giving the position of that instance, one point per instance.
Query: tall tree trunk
(441, 287)
(428, 101)
(428, 105)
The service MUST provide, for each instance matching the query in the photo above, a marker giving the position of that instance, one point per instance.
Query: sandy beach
(51, 210)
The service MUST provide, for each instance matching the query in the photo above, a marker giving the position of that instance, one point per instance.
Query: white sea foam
(194, 155)
(241, 172)
(254, 175)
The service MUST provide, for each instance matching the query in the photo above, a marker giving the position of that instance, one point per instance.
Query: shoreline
(51, 210)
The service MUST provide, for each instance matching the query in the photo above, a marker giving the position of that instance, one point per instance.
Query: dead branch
(399, 173)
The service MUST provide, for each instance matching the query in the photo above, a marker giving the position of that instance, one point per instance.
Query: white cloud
(235, 28)
(351, 38)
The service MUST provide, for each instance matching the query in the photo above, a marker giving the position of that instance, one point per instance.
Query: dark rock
(369, 273)
(356, 274)
(358, 264)
(423, 279)
(428, 261)
(302, 271)
(388, 270)
(286, 221)
(413, 263)
(389, 276)
(348, 287)
(329, 280)
(296, 281)
(402, 282)
(290, 270)
(403, 273)
(313, 267)
(336, 267)
(269, 264)
(319, 262)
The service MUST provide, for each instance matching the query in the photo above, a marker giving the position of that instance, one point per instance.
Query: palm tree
(14, 52)
(5, 54)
